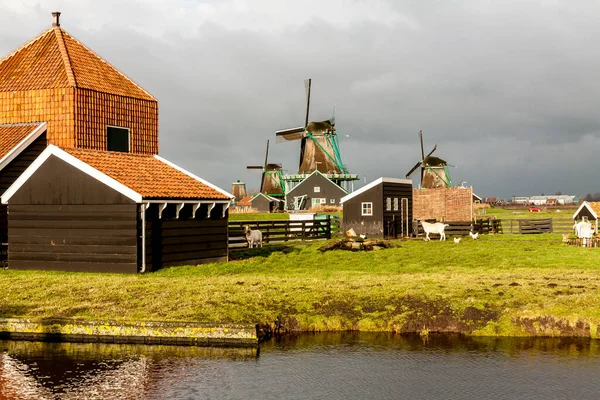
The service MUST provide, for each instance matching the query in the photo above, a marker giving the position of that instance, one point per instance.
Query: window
(332, 201)
(317, 189)
(117, 139)
(367, 208)
(396, 204)
(388, 204)
(318, 202)
(323, 201)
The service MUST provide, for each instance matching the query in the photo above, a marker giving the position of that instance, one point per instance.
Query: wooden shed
(588, 210)
(88, 210)
(383, 208)
(315, 190)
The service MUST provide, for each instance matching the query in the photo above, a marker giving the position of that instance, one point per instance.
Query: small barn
(244, 205)
(588, 210)
(315, 190)
(102, 211)
(383, 208)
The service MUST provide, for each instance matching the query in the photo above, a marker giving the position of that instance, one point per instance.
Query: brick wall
(443, 204)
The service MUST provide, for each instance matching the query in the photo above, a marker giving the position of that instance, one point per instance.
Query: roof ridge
(26, 45)
(65, 56)
(107, 63)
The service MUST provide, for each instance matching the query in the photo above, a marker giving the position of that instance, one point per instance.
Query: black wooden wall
(392, 219)
(186, 240)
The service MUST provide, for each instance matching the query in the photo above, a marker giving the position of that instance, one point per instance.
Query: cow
(437, 227)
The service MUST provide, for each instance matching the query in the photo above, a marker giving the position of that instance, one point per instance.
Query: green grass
(523, 213)
(498, 285)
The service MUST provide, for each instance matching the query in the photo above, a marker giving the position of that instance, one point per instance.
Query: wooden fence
(484, 225)
(284, 230)
(528, 226)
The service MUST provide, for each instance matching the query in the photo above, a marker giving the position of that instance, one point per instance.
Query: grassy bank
(499, 285)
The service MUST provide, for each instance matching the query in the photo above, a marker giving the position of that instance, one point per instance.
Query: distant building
(557, 199)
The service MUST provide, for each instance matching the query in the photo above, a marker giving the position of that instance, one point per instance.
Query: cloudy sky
(508, 89)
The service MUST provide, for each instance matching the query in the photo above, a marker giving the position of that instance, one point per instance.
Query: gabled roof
(55, 59)
(14, 138)
(373, 184)
(245, 201)
(139, 177)
(316, 172)
(269, 198)
(592, 206)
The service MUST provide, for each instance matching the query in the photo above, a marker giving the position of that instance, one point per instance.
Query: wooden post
(328, 227)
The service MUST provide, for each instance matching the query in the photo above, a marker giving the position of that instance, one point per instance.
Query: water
(323, 366)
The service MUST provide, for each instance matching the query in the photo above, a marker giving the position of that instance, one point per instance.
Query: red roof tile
(55, 59)
(11, 135)
(147, 175)
(245, 202)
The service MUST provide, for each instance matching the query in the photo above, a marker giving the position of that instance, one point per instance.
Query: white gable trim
(590, 209)
(188, 173)
(22, 145)
(372, 185)
(313, 173)
(52, 150)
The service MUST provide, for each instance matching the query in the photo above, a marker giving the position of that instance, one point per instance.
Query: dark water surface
(323, 366)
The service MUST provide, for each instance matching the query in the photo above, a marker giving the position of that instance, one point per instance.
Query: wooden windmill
(434, 170)
(319, 148)
(271, 182)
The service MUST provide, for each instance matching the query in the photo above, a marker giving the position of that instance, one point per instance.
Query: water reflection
(344, 366)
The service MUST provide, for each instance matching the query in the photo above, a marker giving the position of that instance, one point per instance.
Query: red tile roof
(12, 134)
(147, 175)
(55, 59)
(245, 202)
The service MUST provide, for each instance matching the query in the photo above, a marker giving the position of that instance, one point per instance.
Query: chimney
(56, 17)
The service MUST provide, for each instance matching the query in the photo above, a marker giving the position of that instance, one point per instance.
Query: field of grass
(523, 213)
(508, 285)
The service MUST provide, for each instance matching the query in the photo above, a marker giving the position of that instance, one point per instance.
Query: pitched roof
(373, 184)
(55, 59)
(245, 201)
(137, 176)
(593, 206)
(16, 135)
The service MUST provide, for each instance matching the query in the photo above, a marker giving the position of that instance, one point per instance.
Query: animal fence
(284, 230)
(462, 228)
(533, 226)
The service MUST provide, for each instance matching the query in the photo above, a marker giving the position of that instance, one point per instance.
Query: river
(320, 366)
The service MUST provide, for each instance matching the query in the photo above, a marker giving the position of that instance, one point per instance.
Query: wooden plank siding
(8, 176)
(393, 225)
(73, 238)
(186, 241)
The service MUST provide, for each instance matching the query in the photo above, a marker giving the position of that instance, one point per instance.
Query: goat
(254, 238)
(437, 227)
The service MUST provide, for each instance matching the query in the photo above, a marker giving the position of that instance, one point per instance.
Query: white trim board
(589, 207)
(373, 184)
(22, 145)
(52, 150)
(188, 173)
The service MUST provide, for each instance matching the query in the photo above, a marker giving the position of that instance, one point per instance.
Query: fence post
(328, 227)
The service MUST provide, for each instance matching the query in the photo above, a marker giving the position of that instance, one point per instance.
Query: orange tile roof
(245, 202)
(147, 175)
(595, 205)
(55, 59)
(12, 134)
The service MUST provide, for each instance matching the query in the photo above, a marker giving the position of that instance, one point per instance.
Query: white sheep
(254, 238)
(437, 227)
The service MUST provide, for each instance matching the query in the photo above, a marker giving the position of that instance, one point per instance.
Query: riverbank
(499, 285)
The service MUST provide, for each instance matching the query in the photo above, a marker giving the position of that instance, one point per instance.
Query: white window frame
(396, 204)
(317, 189)
(323, 200)
(366, 208)
(128, 137)
(332, 201)
(388, 204)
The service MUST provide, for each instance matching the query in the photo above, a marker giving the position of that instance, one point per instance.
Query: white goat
(254, 238)
(437, 227)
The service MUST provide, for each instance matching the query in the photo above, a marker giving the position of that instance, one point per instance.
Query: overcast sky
(509, 90)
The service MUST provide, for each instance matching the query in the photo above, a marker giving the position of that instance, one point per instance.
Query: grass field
(509, 285)
(523, 213)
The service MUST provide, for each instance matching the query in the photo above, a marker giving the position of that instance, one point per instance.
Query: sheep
(254, 238)
(437, 227)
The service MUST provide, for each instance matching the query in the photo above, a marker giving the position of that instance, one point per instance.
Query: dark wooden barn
(266, 204)
(86, 210)
(316, 190)
(383, 208)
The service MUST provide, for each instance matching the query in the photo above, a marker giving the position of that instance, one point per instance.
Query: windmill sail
(271, 183)
(434, 171)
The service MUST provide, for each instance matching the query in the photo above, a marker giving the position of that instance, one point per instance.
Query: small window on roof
(117, 139)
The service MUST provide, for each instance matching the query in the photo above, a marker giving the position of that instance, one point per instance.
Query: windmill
(271, 183)
(319, 148)
(434, 170)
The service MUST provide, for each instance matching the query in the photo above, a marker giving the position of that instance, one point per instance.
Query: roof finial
(56, 17)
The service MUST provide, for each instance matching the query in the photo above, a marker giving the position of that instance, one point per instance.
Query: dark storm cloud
(508, 90)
